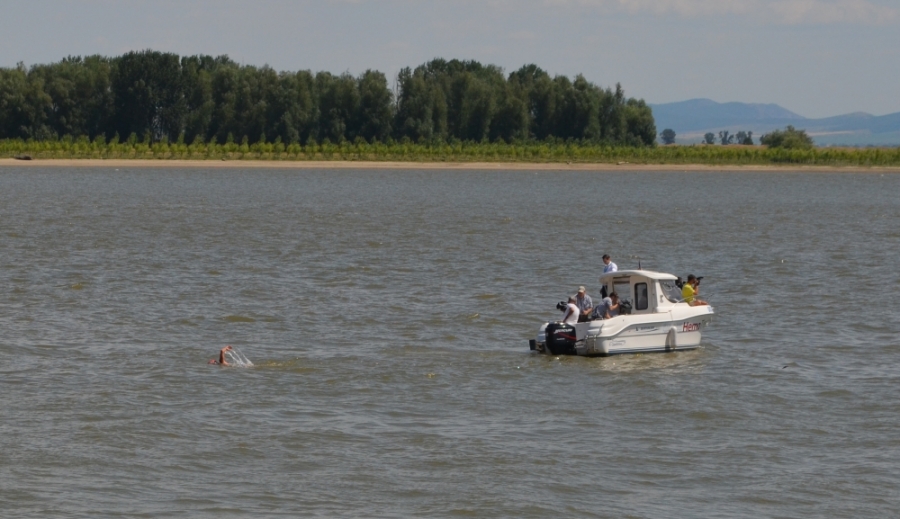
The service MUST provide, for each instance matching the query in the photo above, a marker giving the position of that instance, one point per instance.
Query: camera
(562, 306)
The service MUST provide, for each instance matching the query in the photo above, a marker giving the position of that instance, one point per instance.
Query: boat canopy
(649, 274)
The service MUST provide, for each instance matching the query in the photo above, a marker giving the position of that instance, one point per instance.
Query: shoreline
(466, 166)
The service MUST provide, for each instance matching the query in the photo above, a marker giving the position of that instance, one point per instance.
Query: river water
(387, 315)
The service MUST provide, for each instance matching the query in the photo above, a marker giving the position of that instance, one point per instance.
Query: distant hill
(692, 119)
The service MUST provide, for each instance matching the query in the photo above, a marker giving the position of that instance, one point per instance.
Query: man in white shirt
(572, 312)
(609, 266)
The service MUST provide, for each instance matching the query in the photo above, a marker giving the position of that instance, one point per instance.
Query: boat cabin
(646, 291)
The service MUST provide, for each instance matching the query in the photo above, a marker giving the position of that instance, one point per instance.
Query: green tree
(414, 112)
(149, 94)
(197, 73)
(709, 138)
(613, 124)
(469, 89)
(641, 128)
(338, 105)
(25, 106)
(745, 138)
(540, 91)
(511, 121)
(725, 138)
(255, 89)
(373, 120)
(293, 108)
(789, 138)
(667, 136)
(80, 93)
(224, 120)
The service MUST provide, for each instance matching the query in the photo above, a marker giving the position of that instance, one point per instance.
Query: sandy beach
(338, 164)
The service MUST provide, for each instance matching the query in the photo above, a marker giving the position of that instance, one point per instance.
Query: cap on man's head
(692, 277)
(580, 290)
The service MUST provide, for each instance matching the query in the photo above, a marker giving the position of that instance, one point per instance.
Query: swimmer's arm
(222, 360)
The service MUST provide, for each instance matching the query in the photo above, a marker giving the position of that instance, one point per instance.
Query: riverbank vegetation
(456, 151)
(153, 105)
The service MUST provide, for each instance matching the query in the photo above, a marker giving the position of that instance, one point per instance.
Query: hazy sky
(815, 57)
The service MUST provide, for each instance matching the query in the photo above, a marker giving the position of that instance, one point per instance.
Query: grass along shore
(461, 152)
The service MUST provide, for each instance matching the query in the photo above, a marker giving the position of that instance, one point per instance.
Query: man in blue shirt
(608, 266)
(584, 304)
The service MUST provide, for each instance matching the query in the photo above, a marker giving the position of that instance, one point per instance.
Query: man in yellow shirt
(689, 291)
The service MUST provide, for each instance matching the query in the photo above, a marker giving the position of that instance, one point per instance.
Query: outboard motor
(560, 338)
(625, 307)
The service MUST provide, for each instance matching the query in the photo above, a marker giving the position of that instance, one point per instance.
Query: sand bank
(338, 164)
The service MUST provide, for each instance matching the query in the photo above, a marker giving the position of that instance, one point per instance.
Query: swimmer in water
(221, 361)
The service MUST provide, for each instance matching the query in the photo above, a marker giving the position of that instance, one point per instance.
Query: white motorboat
(654, 318)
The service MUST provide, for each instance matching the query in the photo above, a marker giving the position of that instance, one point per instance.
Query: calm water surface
(387, 314)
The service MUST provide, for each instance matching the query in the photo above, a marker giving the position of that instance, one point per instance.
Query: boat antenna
(639, 265)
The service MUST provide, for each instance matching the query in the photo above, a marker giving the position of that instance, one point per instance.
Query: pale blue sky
(816, 57)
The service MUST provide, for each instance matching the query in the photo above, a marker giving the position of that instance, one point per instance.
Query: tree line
(667, 137)
(789, 138)
(152, 96)
(726, 138)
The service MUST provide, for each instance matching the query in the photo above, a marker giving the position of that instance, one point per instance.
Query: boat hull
(660, 332)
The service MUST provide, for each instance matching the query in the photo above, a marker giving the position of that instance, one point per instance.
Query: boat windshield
(623, 288)
(671, 291)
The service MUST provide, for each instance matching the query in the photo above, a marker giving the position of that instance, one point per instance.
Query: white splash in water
(235, 358)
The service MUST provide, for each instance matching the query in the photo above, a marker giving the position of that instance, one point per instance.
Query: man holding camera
(572, 312)
(690, 290)
(608, 308)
